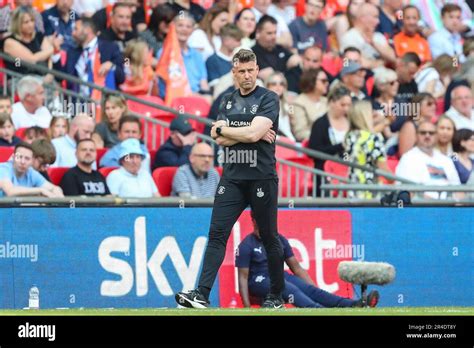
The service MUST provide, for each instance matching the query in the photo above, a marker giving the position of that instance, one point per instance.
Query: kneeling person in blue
(300, 290)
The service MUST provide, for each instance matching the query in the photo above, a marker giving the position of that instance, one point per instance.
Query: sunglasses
(431, 133)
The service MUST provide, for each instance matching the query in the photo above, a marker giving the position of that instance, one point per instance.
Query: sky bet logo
(136, 271)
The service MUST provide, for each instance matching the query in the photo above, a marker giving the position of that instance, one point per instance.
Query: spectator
(193, 62)
(5, 104)
(59, 21)
(7, 131)
(341, 24)
(82, 180)
(424, 106)
(390, 22)
(198, 178)
(445, 129)
(329, 131)
(385, 80)
(276, 82)
(58, 127)
(300, 289)
(310, 59)
(129, 128)
(311, 104)
(353, 78)
(435, 77)
(44, 155)
(406, 68)
(106, 132)
(30, 110)
(103, 17)
(246, 21)
(462, 108)
(206, 38)
(6, 13)
(93, 60)
(35, 133)
(424, 164)
(310, 30)
(283, 34)
(82, 127)
(27, 45)
(463, 147)
(87, 8)
(220, 63)
(130, 180)
(284, 9)
(20, 179)
(196, 11)
(448, 40)
(139, 74)
(176, 150)
(363, 146)
(120, 25)
(373, 45)
(270, 56)
(409, 39)
(158, 27)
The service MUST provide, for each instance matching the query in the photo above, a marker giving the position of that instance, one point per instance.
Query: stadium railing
(298, 180)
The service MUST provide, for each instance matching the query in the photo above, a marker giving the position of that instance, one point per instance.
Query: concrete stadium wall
(139, 257)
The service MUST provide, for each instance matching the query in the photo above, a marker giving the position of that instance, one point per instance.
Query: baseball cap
(181, 124)
(350, 68)
(129, 147)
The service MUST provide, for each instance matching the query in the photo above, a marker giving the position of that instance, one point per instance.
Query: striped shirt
(186, 181)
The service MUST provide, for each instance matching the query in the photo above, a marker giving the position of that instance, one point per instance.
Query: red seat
(287, 173)
(20, 132)
(105, 171)
(332, 64)
(145, 110)
(220, 170)
(163, 178)
(195, 106)
(152, 157)
(100, 153)
(6, 152)
(56, 174)
(153, 142)
(284, 152)
(439, 106)
(336, 169)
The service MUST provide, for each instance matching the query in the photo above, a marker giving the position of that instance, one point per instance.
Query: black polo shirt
(276, 58)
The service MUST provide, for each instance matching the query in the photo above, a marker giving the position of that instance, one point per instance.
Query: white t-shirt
(459, 120)
(353, 38)
(23, 119)
(124, 184)
(419, 167)
(288, 13)
(425, 76)
(282, 27)
(91, 6)
(199, 41)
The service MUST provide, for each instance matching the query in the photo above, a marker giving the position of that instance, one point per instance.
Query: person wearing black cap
(353, 77)
(176, 150)
(246, 128)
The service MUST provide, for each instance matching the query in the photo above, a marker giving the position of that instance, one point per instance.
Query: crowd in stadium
(384, 83)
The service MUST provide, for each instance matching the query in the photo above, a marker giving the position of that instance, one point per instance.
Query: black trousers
(232, 197)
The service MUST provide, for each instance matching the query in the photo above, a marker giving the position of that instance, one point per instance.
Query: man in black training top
(246, 126)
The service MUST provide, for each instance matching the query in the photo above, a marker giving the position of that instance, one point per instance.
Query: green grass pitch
(386, 311)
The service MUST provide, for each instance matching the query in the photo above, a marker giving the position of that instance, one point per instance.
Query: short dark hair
(121, 4)
(308, 80)
(244, 56)
(265, 19)
(411, 7)
(411, 57)
(83, 141)
(5, 97)
(88, 22)
(44, 149)
(4, 117)
(448, 8)
(36, 131)
(461, 135)
(351, 49)
(24, 145)
(130, 119)
(338, 92)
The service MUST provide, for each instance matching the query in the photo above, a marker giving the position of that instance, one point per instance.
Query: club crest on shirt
(221, 190)
(229, 105)
(254, 109)
(260, 193)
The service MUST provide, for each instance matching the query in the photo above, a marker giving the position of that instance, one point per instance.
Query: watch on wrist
(218, 130)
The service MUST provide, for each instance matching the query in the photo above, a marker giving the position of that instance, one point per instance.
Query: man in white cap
(130, 180)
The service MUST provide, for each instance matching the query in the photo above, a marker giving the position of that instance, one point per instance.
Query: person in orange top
(138, 71)
(409, 39)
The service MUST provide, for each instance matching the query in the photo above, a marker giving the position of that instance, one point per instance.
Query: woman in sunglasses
(423, 107)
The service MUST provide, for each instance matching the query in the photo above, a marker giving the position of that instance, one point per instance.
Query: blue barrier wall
(139, 257)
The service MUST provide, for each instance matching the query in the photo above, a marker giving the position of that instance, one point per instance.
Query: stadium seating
(336, 169)
(56, 174)
(283, 152)
(5, 153)
(194, 106)
(289, 187)
(100, 153)
(105, 171)
(153, 142)
(144, 109)
(20, 132)
(163, 178)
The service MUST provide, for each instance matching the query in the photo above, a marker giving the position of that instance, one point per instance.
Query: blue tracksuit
(251, 254)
